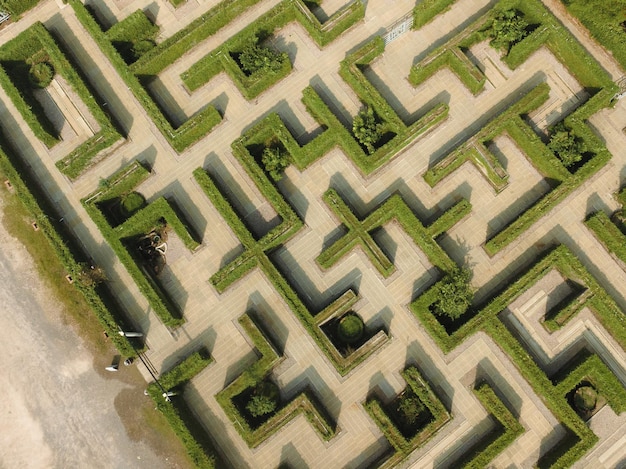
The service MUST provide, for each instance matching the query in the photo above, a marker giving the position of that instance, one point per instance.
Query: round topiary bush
(41, 74)
(131, 203)
(585, 398)
(350, 328)
(264, 399)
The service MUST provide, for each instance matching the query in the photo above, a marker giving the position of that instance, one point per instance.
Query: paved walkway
(211, 318)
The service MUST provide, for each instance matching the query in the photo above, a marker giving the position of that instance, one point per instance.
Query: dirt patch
(60, 407)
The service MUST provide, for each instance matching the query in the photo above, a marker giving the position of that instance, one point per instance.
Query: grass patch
(606, 21)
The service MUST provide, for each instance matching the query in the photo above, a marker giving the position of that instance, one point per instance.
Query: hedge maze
(278, 194)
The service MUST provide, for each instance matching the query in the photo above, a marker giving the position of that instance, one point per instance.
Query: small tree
(566, 146)
(409, 408)
(261, 405)
(264, 399)
(455, 294)
(275, 160)
(507, 28)
(366, 129)
(254, 58)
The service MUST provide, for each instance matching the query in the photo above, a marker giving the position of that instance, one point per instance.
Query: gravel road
(56, 410)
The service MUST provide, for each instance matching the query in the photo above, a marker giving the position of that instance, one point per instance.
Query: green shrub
(585, 398)
(134, 36)
(131, 203)
(275, 160)
(41, 74)
(350, 328)
(367, 129)
(508, 27)
(264, 399)
(255, 58)
(455, 294)
(566, 145)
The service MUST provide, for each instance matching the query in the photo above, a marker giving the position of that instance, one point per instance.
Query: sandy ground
(56, 410)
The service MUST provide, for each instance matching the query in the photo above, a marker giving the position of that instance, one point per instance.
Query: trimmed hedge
(426, 10)
(305, 402)
(17, 7)
(587, 366)
(199, 447)
(393, 208)
(24, 186)
(604, 308)
(492, 444)
(181, 137)
(285, 12)
(551, 33)
(36, 41)
(138, 224)
(403, 447)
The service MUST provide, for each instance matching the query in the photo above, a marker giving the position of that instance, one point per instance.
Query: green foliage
(255, 57)
(17, 7)
(180, 137)
(264, 399)
(455, 294)
(507, 28)
(131, 203)
(566, 145)
(585, 398)
(367, 129)
(25, 188)
(134, 36)
(41, 74)
(606, 22)
(350, 328)
(275, 160)
(409, 408)
(426, 10)
(181, 419)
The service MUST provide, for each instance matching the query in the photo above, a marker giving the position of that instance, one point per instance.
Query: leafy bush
(507, 28)
(255, 58)
(134, 36)
(131, 203)
(567, 147)
(367, 129)
(264, 399)
(350, 328)
(275, 159)
(41, 74)
(585, 398)
(455, 294)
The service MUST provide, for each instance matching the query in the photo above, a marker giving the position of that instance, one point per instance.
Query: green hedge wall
(180, 137)
(140, 223)
(393, 208)
(304, 402)
(493, 444)
(37, 40)
(23, 182)
(580, 438)
(285, 12)
(198, 445)
(403, 447)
